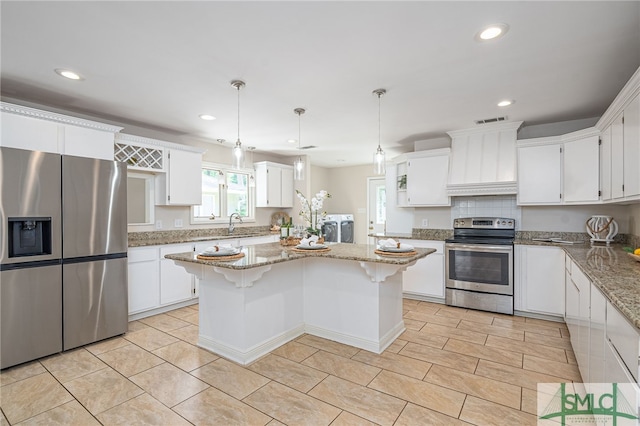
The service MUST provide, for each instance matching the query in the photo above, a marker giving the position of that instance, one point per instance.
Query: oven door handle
(479, 247)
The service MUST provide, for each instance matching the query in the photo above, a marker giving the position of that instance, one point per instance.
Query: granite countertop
(418, 234)
(271, 253)
(155, 238)
(611, 269)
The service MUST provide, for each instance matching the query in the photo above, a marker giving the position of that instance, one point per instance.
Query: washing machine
(338, 228)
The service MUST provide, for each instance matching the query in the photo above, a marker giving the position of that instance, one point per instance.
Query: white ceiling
(161, 64)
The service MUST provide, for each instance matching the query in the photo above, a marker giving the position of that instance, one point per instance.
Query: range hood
(483, 160)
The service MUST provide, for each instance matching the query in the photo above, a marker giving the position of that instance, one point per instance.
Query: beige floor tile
(274, 422)
(181, 313)
(107, 345)
(71, 413)
(564, 333)
(428, 307)
(230, 378)
(364, 402)
(427, 339)
(189, 334)
(102, 390)
(432, 318)
(295, 351)
(481, 412)
(141, 410)
(546, 323)
(214, 407)
(484, 352)
(32, 396)
(412, 324)
(130, 359)
(471, 384)
(164, 322)
(393, 362)
(530, 348)
(72, 364)
(529, 401)
(347, 419)
(287, 372)
(456, 333)
(396, 346)
(135, 326)
(467, 315)
(150, 339)
(328, 345)
(20, 372)
(441, 357)
(514, 375)
(345, 368)
(194, 318)
(185, 356)
(425, 394)
(563, 370)
(525, 326)
(290, 406)
(168, 384)
(571, 357)
(493, 330)
(541, 339)
(414, 415)
(407, 303)
(3, 419)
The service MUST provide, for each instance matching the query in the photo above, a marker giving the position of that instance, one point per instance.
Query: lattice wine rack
(139, 156)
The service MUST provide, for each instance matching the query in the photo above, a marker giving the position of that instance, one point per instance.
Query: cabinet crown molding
(123, 137)
(487, 128)
(626, 95)
(567, 137)
(57, 118)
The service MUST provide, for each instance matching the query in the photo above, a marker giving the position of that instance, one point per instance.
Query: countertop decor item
(602, 228)
(635, 256)
(312, 211)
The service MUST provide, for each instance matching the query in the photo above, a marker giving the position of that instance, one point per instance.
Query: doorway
(376, 207)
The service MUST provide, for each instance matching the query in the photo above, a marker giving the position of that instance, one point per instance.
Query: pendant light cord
(238, 87)
(379, 132)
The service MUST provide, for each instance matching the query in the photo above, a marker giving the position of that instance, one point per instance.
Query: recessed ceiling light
(207, 117)
(491, 32)
(292, 141)
(506, 103)
(68, 74)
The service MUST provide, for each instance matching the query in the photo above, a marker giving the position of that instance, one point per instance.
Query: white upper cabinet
(617, 158)
(426, 178)
(580, 168)
(483, 160)
(182, 184)
(631, 136)
(274, 185)
(539, 176)
(37, 130)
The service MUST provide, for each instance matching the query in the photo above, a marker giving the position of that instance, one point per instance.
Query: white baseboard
(368, 345)
(162, 309)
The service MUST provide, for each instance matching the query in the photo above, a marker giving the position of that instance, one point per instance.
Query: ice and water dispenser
(29, 236)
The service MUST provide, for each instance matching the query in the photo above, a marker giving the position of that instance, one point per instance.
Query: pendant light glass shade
(379, 166)
(237, 152)
(298, 164)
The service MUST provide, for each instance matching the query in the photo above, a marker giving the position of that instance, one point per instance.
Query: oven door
(479, 267)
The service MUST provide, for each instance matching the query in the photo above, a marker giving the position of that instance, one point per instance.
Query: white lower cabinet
(597, 338)
(577, 315)
(539, 280)
(144, 292)
(426, 277)
(176, 284)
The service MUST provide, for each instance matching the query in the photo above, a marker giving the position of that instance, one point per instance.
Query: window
(224, 192)
(381, 204)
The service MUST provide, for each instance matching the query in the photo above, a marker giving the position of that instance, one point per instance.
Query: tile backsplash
(487, 206)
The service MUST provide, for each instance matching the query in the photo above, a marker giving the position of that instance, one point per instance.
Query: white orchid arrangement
(312, 210)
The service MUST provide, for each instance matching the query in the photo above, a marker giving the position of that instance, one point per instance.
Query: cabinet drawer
(175, 248)
(624, 337)
(142, 254)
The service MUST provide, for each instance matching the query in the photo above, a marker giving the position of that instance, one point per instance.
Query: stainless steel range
(479, 264)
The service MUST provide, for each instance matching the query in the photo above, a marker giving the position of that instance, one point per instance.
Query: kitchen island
(252, 305)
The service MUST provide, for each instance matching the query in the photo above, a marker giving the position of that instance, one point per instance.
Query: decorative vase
(602, 228)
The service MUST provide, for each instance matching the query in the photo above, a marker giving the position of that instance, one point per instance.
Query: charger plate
(392, 254)
(230, 257)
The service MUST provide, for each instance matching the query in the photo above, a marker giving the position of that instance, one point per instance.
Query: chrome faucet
(231, 225)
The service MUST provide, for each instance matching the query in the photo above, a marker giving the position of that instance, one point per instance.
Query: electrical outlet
(158, 224)
(177, 223)
(425, 223)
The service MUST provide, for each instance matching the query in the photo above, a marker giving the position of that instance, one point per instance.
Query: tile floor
(451, 366)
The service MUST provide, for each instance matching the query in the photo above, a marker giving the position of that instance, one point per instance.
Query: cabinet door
(617, 158)
(268, 186)
(83, 142)
(581, 165)
(631, 136)
(426, 276)
(184, 178)
(427, 181)
(176, 284)
(542, 280)
(29, 133)
(572, 311)
(605, 165)
(286, 188)
(539, 179)
(597, 338)
(144, 279)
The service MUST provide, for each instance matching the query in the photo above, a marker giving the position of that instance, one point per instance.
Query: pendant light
(238, 152)
(378, 156)
(298, 165)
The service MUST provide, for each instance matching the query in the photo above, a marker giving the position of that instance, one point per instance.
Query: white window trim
(225, 168)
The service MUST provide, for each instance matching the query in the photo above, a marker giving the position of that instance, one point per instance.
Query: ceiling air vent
(308, 147)
(491, 120)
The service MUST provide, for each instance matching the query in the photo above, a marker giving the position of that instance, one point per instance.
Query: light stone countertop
(155, 238)
(271, 253)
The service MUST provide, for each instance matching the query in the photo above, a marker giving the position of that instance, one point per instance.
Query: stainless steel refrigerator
(63, 266)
